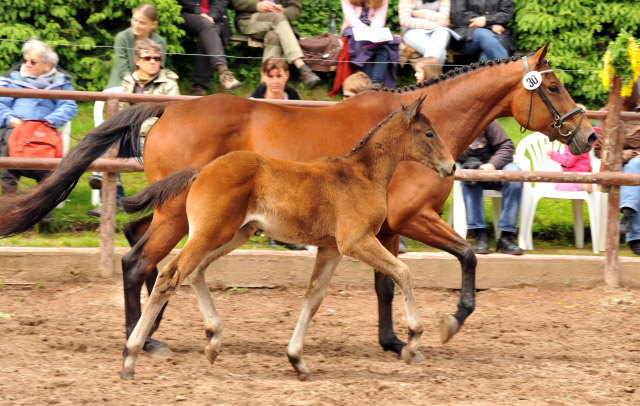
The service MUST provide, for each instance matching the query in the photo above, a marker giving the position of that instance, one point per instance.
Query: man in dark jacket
(208, 20)
(493, 149)
(482, 24)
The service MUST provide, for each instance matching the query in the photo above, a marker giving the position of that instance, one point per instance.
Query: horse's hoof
(407, 356)
(449, 326)
(126, 374)
(419, 357)
(160, 353)
(304, 376)
(211, 354)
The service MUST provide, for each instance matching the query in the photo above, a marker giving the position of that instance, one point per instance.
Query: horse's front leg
(429, 228)
(385, 292)
(326, 261)
(370, 251)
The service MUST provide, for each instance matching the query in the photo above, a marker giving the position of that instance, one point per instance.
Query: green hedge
(579, 29)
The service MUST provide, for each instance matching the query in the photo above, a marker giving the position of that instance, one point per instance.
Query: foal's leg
(428, 227)
(139, 264)
(370, 251)
(212, 322)
(326, 261)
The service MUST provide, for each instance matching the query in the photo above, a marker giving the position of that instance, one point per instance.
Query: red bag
(35, 139)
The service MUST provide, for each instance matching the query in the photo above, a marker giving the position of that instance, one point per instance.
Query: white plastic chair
(98, 118)
(531, 155)
(457, 217)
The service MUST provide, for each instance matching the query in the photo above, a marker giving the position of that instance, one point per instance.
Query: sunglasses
(32, 62)
(151, 58)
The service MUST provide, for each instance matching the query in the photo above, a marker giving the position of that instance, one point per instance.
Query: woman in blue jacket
(38, 70)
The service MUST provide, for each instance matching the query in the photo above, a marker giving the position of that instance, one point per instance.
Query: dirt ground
(61, 343)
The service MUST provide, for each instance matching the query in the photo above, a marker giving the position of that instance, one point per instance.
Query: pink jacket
(351, 13)
(570, 162)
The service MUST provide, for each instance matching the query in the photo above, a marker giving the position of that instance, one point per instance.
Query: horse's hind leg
(326, 261)
(384, 286)
(212, 322)
(139, 264)
(428, 227)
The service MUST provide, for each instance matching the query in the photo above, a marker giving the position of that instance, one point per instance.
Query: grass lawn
(72, 227)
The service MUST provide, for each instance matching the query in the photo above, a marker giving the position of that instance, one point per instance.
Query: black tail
(157, 193)
(19, 213)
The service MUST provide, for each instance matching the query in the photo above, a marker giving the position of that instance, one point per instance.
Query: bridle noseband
(559, 125)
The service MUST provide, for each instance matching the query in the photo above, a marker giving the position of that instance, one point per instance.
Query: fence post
(108, 209)
(613, 132)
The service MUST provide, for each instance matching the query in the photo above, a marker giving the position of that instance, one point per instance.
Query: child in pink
(572, 163)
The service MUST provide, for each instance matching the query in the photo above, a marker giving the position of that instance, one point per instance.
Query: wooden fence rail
(110, 166)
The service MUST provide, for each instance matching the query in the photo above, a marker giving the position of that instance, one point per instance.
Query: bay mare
(190, 134)
(337, 204)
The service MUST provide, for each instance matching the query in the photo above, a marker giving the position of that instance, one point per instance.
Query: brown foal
(337, 204)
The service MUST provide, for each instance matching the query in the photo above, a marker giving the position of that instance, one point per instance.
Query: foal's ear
(540, 55)
(413, 110)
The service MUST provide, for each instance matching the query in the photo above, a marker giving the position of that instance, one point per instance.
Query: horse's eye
(554, 89)
(429, 135)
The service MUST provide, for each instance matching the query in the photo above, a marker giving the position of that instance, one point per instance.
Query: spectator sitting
(148, 78)
(425, 29)
(270, 20)
(572, 163)
(483, 28)
(143, 24)
(630, 195)
(208, 20)
(275, 74)
(379, 60)
(493, 149)
(38, 70)
(355, 83)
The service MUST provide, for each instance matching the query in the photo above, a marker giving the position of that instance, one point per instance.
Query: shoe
(627, 219)
(293, 247)
(96, 211)
(309, 78)
(635, 246)
(403, 247)
(506, 244)
(482, 241)
(198, 91)
(46, 219)
(229, 82)
(95, 181)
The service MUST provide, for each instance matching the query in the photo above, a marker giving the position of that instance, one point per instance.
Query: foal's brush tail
(159, 192)
(19, 213)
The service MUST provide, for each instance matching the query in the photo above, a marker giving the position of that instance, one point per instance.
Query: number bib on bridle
(532, 81)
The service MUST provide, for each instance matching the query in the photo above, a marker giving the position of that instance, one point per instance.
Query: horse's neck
(378, 154)
(461, 107)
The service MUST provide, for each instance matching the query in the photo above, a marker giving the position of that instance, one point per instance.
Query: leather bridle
(559, 125)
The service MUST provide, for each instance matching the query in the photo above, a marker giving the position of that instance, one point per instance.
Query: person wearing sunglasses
(149, 77)
(38, 70)
(144, 21)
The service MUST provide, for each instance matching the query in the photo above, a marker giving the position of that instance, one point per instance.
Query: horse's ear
(413, 110)
(540, 55)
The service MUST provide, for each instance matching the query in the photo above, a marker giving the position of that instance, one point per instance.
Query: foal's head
(423, 143)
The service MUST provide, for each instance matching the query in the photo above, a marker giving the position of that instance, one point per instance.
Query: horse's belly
(292, 229)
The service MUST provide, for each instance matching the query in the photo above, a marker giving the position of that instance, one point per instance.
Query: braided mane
(452, 73)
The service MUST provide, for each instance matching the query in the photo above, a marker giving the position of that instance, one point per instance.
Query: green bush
(82, 33)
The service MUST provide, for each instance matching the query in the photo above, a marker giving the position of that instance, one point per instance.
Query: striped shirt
(433, 11)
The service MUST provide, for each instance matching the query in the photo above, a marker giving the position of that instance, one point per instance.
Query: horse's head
(543, 104)
(424, 144)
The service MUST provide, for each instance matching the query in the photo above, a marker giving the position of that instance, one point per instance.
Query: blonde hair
(357, 82)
